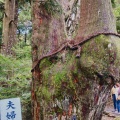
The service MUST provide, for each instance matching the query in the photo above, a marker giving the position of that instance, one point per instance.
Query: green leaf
(2, 1)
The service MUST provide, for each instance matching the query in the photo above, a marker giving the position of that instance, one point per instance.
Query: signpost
(10, 109)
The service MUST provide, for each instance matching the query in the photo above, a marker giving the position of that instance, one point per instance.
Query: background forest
(15, 70)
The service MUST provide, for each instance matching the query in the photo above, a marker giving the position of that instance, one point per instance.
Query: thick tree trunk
(66, 84)
(96, 18)
(46, 33)
(10, 26)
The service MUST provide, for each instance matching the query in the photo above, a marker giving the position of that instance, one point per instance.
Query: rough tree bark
(9, 26)
(70, 82)
(44, 41)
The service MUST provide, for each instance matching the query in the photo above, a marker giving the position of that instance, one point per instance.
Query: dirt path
(108, 113)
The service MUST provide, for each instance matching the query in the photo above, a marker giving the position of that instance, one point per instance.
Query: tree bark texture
(73, 83)
(10, 26)
(94, 18)
(44, 41)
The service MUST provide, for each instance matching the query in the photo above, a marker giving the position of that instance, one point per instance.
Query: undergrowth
(15, 77)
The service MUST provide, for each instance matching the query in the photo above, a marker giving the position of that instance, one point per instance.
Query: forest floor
(108, 113)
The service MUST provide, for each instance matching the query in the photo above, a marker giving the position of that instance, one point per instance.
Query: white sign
(10, 109)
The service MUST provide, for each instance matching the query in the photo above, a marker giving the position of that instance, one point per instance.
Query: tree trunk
(96, 18)
(44, 41)
(70, 82)
(10, 26)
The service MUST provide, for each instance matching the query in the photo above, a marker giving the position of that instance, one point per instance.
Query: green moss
(44, 93)
(75, 77)
(45, 63)
(95, 55)
(46, 74)
(59, 77)
(116, 43)
(94, 58)
(52, 7)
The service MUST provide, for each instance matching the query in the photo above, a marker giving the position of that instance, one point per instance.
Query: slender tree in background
(75, 58)
(1, 18)
(10, 26)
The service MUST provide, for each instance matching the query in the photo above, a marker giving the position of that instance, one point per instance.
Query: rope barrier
(73, 46)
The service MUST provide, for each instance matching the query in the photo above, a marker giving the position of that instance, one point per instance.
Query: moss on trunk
(74, 79)
(66, 87)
